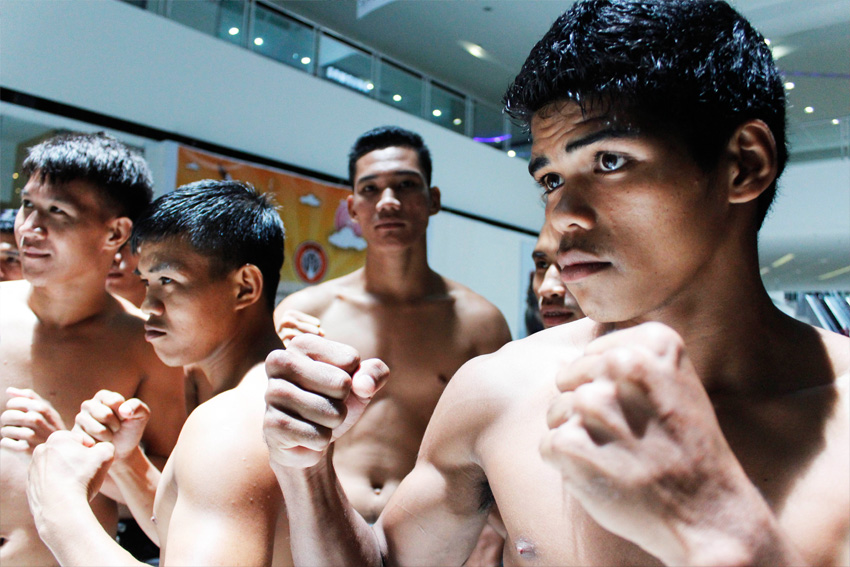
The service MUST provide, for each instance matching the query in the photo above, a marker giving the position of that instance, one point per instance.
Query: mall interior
(281, 88)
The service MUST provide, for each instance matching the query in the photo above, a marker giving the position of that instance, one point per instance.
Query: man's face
(391, 200)
(61, 229)
(10, 262)
(639, 222)
(122, 275)
(189, 309)
(557, 305)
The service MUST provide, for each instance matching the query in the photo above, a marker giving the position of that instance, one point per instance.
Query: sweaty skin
(63, 338)
(692, 422)
(422, 325)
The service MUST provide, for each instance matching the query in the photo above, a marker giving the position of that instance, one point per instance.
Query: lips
(152, 332)
(390, 224)
(576, 265)
(33, 252)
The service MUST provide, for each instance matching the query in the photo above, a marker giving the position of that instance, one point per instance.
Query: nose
(31, 225)
(570, 211)
(552, 285)
(151, 305)
(388, 201)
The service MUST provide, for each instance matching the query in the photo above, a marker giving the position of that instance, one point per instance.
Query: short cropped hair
(121, 175)
(228, 222)
(693, 69)
(390, 137)
(7, 221)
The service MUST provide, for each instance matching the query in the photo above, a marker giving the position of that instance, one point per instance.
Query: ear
(248, 281)
(119, 230)
(434, 195)
(752, 151)
(350, 202)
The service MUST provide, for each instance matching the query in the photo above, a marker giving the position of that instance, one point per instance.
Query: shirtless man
(396, 308)
(692, 423)
(210, 255)
(62, 337)
(555, 302)
(10, 261)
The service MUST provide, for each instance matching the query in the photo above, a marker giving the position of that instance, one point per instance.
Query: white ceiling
(811, 41)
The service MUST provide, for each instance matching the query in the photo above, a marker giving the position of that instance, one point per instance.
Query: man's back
(423, 341)
(65, 366)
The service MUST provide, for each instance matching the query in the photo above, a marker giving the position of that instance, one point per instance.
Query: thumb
(104, 454)
(369, 378)
(134, 409)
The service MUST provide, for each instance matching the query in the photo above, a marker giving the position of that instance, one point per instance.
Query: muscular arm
(227, 499)
(434, 517)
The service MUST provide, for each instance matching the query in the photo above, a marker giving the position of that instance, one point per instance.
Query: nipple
(525, 548)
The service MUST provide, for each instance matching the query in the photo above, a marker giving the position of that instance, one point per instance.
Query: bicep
(222, 525)
(433, 518)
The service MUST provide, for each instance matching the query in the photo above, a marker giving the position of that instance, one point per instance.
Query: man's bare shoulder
(221, 445)
(520, 367)
(315, 299)
(13, 300)
(478, 316)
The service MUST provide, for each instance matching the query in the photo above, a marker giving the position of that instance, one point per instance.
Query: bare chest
(66, 368)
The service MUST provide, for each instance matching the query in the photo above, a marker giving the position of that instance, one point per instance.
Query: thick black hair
(229, 222)
(7, 221)
(693, 69)
(121, 175)
(389, 137)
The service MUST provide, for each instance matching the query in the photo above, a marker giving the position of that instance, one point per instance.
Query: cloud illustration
(347, 240)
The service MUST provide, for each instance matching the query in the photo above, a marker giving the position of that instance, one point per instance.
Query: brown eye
(608, 162)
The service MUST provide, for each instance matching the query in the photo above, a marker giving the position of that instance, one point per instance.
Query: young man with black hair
(690, 422)
(396, 308)
(62, 336)
(554, 301)
(10, 261)
(210, 255)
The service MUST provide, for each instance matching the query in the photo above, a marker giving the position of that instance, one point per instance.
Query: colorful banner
(322, 242)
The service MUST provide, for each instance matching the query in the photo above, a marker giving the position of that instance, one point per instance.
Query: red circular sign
(311, 262)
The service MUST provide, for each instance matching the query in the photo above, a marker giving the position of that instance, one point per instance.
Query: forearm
(744, 536)
(324, 528)
(75, 537)
(137, 479)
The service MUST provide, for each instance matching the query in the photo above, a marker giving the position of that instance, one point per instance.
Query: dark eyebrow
(168, 265)
(606, 133)
(58, 198)
(399, 173)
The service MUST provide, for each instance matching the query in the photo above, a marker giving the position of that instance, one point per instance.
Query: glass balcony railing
(270, 31)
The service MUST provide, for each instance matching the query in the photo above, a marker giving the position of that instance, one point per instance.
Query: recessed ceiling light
(370, 86)
(780, 51)
(834, 273)
(789, 86)
(397, 97)
(764, 270)
(767, 41)
(15, 175)
(836, 121)
(808, 109)
(457, 121)
(437, 112)
(233, 31)
(258, 41)
(782, 261)
(473, 49)
(305, 60)
(511, 153)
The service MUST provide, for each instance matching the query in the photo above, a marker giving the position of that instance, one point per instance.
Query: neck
(251, 340)
(62, 305)
(738, 341)
(402, 275)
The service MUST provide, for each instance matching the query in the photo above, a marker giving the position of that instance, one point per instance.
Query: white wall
(118, 60)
